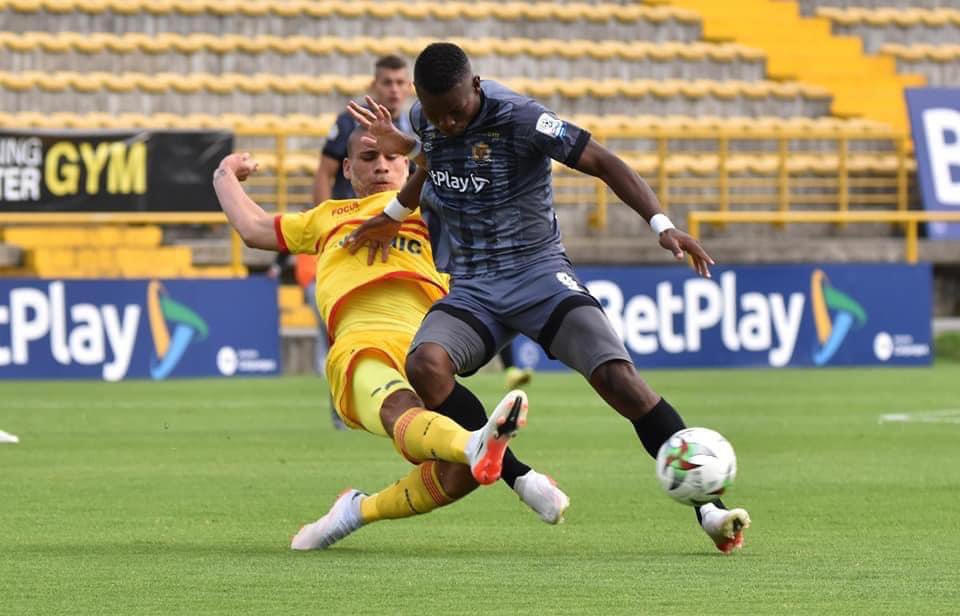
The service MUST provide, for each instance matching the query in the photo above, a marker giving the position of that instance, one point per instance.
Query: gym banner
(109, 171)
(763, 316)
(935, 122)
(146, 329)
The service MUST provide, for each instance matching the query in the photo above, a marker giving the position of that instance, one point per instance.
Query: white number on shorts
(569, 281)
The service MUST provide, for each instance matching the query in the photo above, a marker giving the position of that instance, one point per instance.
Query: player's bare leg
(655, 420)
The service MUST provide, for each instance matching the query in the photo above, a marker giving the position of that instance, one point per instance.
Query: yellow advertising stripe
(158, 326)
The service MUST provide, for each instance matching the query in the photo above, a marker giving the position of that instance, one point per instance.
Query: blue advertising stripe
(106, 329)
(762, 316)
(182, 335)
(935, 126)
(841, 327)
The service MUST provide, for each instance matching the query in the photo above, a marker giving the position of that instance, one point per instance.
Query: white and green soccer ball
(696, 466)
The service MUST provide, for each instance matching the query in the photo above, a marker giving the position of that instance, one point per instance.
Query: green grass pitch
(181, 497)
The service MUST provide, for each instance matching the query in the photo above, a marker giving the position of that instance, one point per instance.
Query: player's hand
(376, 233)
(240, 165)
(678, 242)
(382, 134)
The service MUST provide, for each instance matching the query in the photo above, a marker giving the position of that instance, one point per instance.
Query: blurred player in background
(391, 88)
(490, 210)
(513, 376)
(373, 313)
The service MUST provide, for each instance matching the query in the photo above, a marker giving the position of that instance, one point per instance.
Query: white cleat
(487, 445)
(342, 519)
(540, 493)
(724, 526)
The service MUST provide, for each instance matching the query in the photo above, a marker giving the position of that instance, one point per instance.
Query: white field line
(950, 416)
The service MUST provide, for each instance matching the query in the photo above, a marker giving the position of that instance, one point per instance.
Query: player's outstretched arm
(379, 231)
(600, 162)
(382, 134)
(253, 224)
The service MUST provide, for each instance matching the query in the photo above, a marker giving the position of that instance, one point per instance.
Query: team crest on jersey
(481, 152)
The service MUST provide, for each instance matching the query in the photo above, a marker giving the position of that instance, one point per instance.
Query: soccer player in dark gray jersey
(491, 188)
(490, 211)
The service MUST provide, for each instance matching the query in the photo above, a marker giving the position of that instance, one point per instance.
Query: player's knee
(395, 405)
(618, 381)
(456, 479)
(430, 371)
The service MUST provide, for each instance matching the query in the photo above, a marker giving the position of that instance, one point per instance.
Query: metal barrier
(777, 169)
(910, 220)
(780, 169)
(134, 218)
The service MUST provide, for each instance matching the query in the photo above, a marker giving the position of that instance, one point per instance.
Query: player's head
(369, 171)
(391, 82)
(449, 92)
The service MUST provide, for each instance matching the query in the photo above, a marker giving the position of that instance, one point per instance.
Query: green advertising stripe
(179, 313)
(841, 301)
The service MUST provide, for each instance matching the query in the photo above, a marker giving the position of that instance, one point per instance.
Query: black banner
(110, 171)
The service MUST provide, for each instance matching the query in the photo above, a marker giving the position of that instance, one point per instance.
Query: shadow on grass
(548, 552)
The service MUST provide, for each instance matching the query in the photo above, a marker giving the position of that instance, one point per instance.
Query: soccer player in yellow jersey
(373, 308)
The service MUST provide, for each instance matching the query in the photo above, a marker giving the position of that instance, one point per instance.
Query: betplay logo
(91, 330)
(752, 321)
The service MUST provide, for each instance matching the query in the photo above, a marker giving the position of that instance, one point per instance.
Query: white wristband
(415, 150)
(660, 223)
(396, 211)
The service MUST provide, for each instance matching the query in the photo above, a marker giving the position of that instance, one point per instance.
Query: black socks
(657, 426)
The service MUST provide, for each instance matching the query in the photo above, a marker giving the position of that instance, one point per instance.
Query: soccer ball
(696, 466)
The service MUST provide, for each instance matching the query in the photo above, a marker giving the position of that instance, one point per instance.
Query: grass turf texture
(181, 497)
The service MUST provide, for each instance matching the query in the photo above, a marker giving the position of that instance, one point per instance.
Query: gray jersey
(489, 198)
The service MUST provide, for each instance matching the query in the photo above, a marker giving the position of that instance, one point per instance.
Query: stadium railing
(692, 163)
(707, 170)
(910, 220)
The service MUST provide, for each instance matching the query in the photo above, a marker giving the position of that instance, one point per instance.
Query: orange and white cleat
(342, 519)
(725, 527)
(487, 445)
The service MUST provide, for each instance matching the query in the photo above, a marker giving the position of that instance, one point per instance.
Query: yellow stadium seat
(302, 317)
(290, 297)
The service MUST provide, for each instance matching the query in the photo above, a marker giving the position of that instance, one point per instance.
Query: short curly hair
(440, 67)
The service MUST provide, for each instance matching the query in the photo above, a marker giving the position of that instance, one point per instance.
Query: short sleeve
(336, 145)
(299, 233)
(416, 117)
(560, 140)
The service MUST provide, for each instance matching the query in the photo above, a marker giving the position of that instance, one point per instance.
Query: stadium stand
(107, 251)
(718, 113)
(517, 57)
(806, 49)
(237, 92)
(922, 39)
(940, 64)
(314, 18)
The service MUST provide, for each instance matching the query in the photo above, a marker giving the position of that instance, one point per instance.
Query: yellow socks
(421, 435)
(419, 492)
